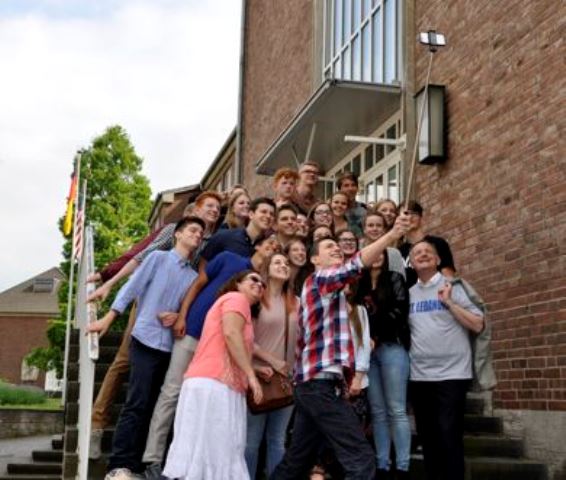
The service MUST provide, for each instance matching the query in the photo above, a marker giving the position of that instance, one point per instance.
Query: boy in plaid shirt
(325, 362)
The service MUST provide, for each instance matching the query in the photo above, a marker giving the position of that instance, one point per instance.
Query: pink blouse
(212, 358)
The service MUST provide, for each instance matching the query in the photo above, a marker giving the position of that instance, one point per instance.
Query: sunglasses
(256, 279)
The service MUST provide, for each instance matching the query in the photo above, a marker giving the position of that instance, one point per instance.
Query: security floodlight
(433, 39)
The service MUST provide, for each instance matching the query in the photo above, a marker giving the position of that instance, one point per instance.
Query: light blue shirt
(159, 285)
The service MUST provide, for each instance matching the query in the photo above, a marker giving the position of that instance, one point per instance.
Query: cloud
(166, 71)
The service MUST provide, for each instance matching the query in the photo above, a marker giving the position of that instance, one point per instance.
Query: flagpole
(71, 280)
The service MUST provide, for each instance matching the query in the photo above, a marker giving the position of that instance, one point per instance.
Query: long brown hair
(354, 316)
(231, 220)
(287, 291)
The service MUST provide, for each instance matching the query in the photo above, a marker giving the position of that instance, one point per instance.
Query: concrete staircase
(62, 460)
(107, 350)
(490, 455)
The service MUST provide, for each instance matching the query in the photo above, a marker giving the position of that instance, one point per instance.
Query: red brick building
(25, 310)
(315, 71)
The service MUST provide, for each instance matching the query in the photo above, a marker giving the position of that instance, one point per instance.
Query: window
(43, 285)
(378, 168)
(362, 40)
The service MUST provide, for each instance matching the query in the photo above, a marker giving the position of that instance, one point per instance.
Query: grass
(50, 404)
(14, 395)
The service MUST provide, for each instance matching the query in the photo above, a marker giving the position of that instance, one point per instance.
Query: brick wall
(277, 76)
(19, 335)
(500, 198)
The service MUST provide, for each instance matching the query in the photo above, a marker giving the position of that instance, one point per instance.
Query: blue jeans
(274, 426)
(387, 394)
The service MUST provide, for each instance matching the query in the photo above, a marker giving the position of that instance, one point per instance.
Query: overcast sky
(165, 70)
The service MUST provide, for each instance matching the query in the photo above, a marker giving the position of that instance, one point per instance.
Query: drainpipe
(239, 165)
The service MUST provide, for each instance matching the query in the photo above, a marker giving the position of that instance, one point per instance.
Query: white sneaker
(122, 474)
(119, 474)
(95, 449)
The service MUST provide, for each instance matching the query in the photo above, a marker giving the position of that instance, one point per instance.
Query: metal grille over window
(362, 39)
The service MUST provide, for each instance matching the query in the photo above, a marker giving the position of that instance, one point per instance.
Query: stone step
(474, 406)
(72, 439)
(72, 413)
(30, 477)
(99, 371)
(57, 443)
(73, 390)
(47, 455)
(487, 446)
(486, 468)
(35, 468)
(111, 339)
(106, 354)
(493, 446)
(482, 424)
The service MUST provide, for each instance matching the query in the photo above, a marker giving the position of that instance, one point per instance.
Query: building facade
(315, 71)
(26, 309)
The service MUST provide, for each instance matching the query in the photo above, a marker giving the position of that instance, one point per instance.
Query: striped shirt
(324, 338)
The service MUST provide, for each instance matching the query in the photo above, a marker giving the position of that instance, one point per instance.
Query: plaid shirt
(324, 337)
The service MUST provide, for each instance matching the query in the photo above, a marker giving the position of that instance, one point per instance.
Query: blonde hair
(231, 220)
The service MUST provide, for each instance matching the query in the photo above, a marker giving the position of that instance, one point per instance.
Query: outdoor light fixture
(426, 148)
(432, 138)
(432, 39)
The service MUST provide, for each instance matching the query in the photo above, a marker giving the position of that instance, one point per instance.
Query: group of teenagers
(357, 303)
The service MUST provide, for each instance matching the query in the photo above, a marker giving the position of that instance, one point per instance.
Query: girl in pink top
(210, 422)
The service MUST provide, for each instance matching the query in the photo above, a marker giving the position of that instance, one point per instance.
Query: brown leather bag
(277, 391)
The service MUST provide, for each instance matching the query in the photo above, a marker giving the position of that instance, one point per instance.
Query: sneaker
(153, 472)
(95, 449)
(120, 474)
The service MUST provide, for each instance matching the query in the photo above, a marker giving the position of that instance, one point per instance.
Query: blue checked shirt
(324, 338)
(159, 285)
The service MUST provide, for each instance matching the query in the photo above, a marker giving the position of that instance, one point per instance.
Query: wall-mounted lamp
(432, 138)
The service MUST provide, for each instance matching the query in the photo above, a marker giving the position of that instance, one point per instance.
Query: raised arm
(370, 254)
(163, 241)
(467, 318)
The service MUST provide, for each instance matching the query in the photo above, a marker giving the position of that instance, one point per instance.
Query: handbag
(277, 391)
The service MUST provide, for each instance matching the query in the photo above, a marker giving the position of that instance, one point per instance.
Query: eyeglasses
(256, 279)
(323, 212)
(351, 241)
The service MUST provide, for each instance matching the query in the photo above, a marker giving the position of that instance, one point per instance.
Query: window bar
(382, 66)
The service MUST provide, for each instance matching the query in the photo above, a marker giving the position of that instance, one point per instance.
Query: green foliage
(12, 395)
(117, 206)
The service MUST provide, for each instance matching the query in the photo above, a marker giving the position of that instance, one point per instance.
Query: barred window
(362, 40)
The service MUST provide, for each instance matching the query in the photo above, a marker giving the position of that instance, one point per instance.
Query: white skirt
(209, 438)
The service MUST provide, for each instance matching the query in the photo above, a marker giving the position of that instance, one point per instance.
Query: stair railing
(88, 352)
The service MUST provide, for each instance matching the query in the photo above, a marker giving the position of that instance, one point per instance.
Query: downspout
(239, 165)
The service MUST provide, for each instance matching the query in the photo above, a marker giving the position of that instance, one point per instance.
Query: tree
(117, 206)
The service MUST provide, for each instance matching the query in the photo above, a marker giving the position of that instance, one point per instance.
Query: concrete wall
(22, 423)
(277, 77)
(543, 433)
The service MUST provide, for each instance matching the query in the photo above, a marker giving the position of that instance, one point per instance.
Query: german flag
(72, 198)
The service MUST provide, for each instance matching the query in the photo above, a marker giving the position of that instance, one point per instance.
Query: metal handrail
(88, 352)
